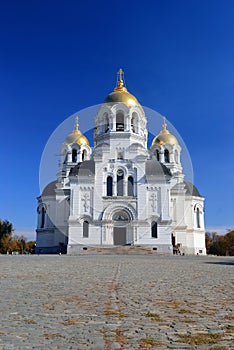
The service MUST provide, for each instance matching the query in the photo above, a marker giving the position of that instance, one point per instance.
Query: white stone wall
(174, 212)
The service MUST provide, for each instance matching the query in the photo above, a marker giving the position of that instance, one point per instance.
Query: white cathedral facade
(120, 192)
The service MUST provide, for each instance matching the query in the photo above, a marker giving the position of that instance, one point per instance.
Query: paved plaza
(116, 302)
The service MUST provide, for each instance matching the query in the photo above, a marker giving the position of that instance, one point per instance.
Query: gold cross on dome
(164, 123)
(120, 72)
(76, 123)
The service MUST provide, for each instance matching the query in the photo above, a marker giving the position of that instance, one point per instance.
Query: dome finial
(76, 135)
(120, 73)
(120, 81)
(76, 124)
(164, 137)
(164, 123)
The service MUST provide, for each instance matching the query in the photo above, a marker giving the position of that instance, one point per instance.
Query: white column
(114, 123)
(114, 188)
(172, 157)
(125, 187)
(128, 123)
(69, 157)
(161, 156)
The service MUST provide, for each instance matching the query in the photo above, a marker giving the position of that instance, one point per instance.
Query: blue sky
(58, 57)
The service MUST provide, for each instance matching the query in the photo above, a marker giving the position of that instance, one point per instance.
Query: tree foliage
(220, 245)
(13, 244)
(6, 230)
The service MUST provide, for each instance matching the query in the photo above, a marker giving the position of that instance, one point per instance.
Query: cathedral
(120, 192)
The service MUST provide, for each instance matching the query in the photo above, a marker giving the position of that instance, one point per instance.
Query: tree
(229, 241)
(10, 243)
(208, 238)
(6, 230)
(30, 246)
(220, 244)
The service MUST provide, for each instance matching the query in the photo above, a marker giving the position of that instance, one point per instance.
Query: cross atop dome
(76, 124)
(120, 73)
(164, 123)
(120, 81)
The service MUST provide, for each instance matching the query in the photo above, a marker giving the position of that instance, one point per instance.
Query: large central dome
(121, 95)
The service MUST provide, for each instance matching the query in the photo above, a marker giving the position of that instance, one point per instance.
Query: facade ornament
(86, 201)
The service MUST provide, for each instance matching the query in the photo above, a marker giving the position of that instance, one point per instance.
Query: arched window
(74, 155)
(198, 218)
(109, 186)
(84, 155)
(120, 177)
(119, 121)
(130, 186)
(43, 213)
(85, 229)
(121, 216)
(154, 230)
(166, 156)
(157, 154)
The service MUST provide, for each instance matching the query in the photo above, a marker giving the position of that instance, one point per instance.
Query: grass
(230, 317)
(71, 299)
(119, 337)
(200, 339)
(188, 321)
(148, 343)
(230, 329)
(70, 322)
(48, 307)
(186, 311)
(154, 317)
(30, 322)
(53, 335)
(116, 313)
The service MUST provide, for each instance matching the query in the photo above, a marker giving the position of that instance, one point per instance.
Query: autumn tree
(229, 242)
(6, 231)
(10, 243)
(220, 244)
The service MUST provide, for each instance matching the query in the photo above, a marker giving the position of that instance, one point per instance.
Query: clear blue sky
(58, 57)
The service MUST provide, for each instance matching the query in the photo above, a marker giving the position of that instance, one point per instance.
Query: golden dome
(76, 136)
(120, 94)
(164, 137)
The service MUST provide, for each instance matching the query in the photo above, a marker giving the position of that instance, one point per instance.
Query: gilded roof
(76, 136)
(121, 94)
(164, 137)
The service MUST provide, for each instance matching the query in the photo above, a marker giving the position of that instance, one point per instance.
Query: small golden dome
(121, 95)
(164, 137)
(82, 140)
(76, 136)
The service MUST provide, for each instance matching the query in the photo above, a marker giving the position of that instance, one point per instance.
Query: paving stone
(114, 302)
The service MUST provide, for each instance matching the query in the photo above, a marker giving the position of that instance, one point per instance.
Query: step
(117, 250)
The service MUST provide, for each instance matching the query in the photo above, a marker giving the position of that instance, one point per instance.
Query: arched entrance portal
(121, 219)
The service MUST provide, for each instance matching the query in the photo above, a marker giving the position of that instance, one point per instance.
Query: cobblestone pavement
(116, 302)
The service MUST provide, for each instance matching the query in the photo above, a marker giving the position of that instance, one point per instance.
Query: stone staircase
(117, 250)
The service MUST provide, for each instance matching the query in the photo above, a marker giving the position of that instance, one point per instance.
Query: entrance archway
(119, 235)
(121, 219)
